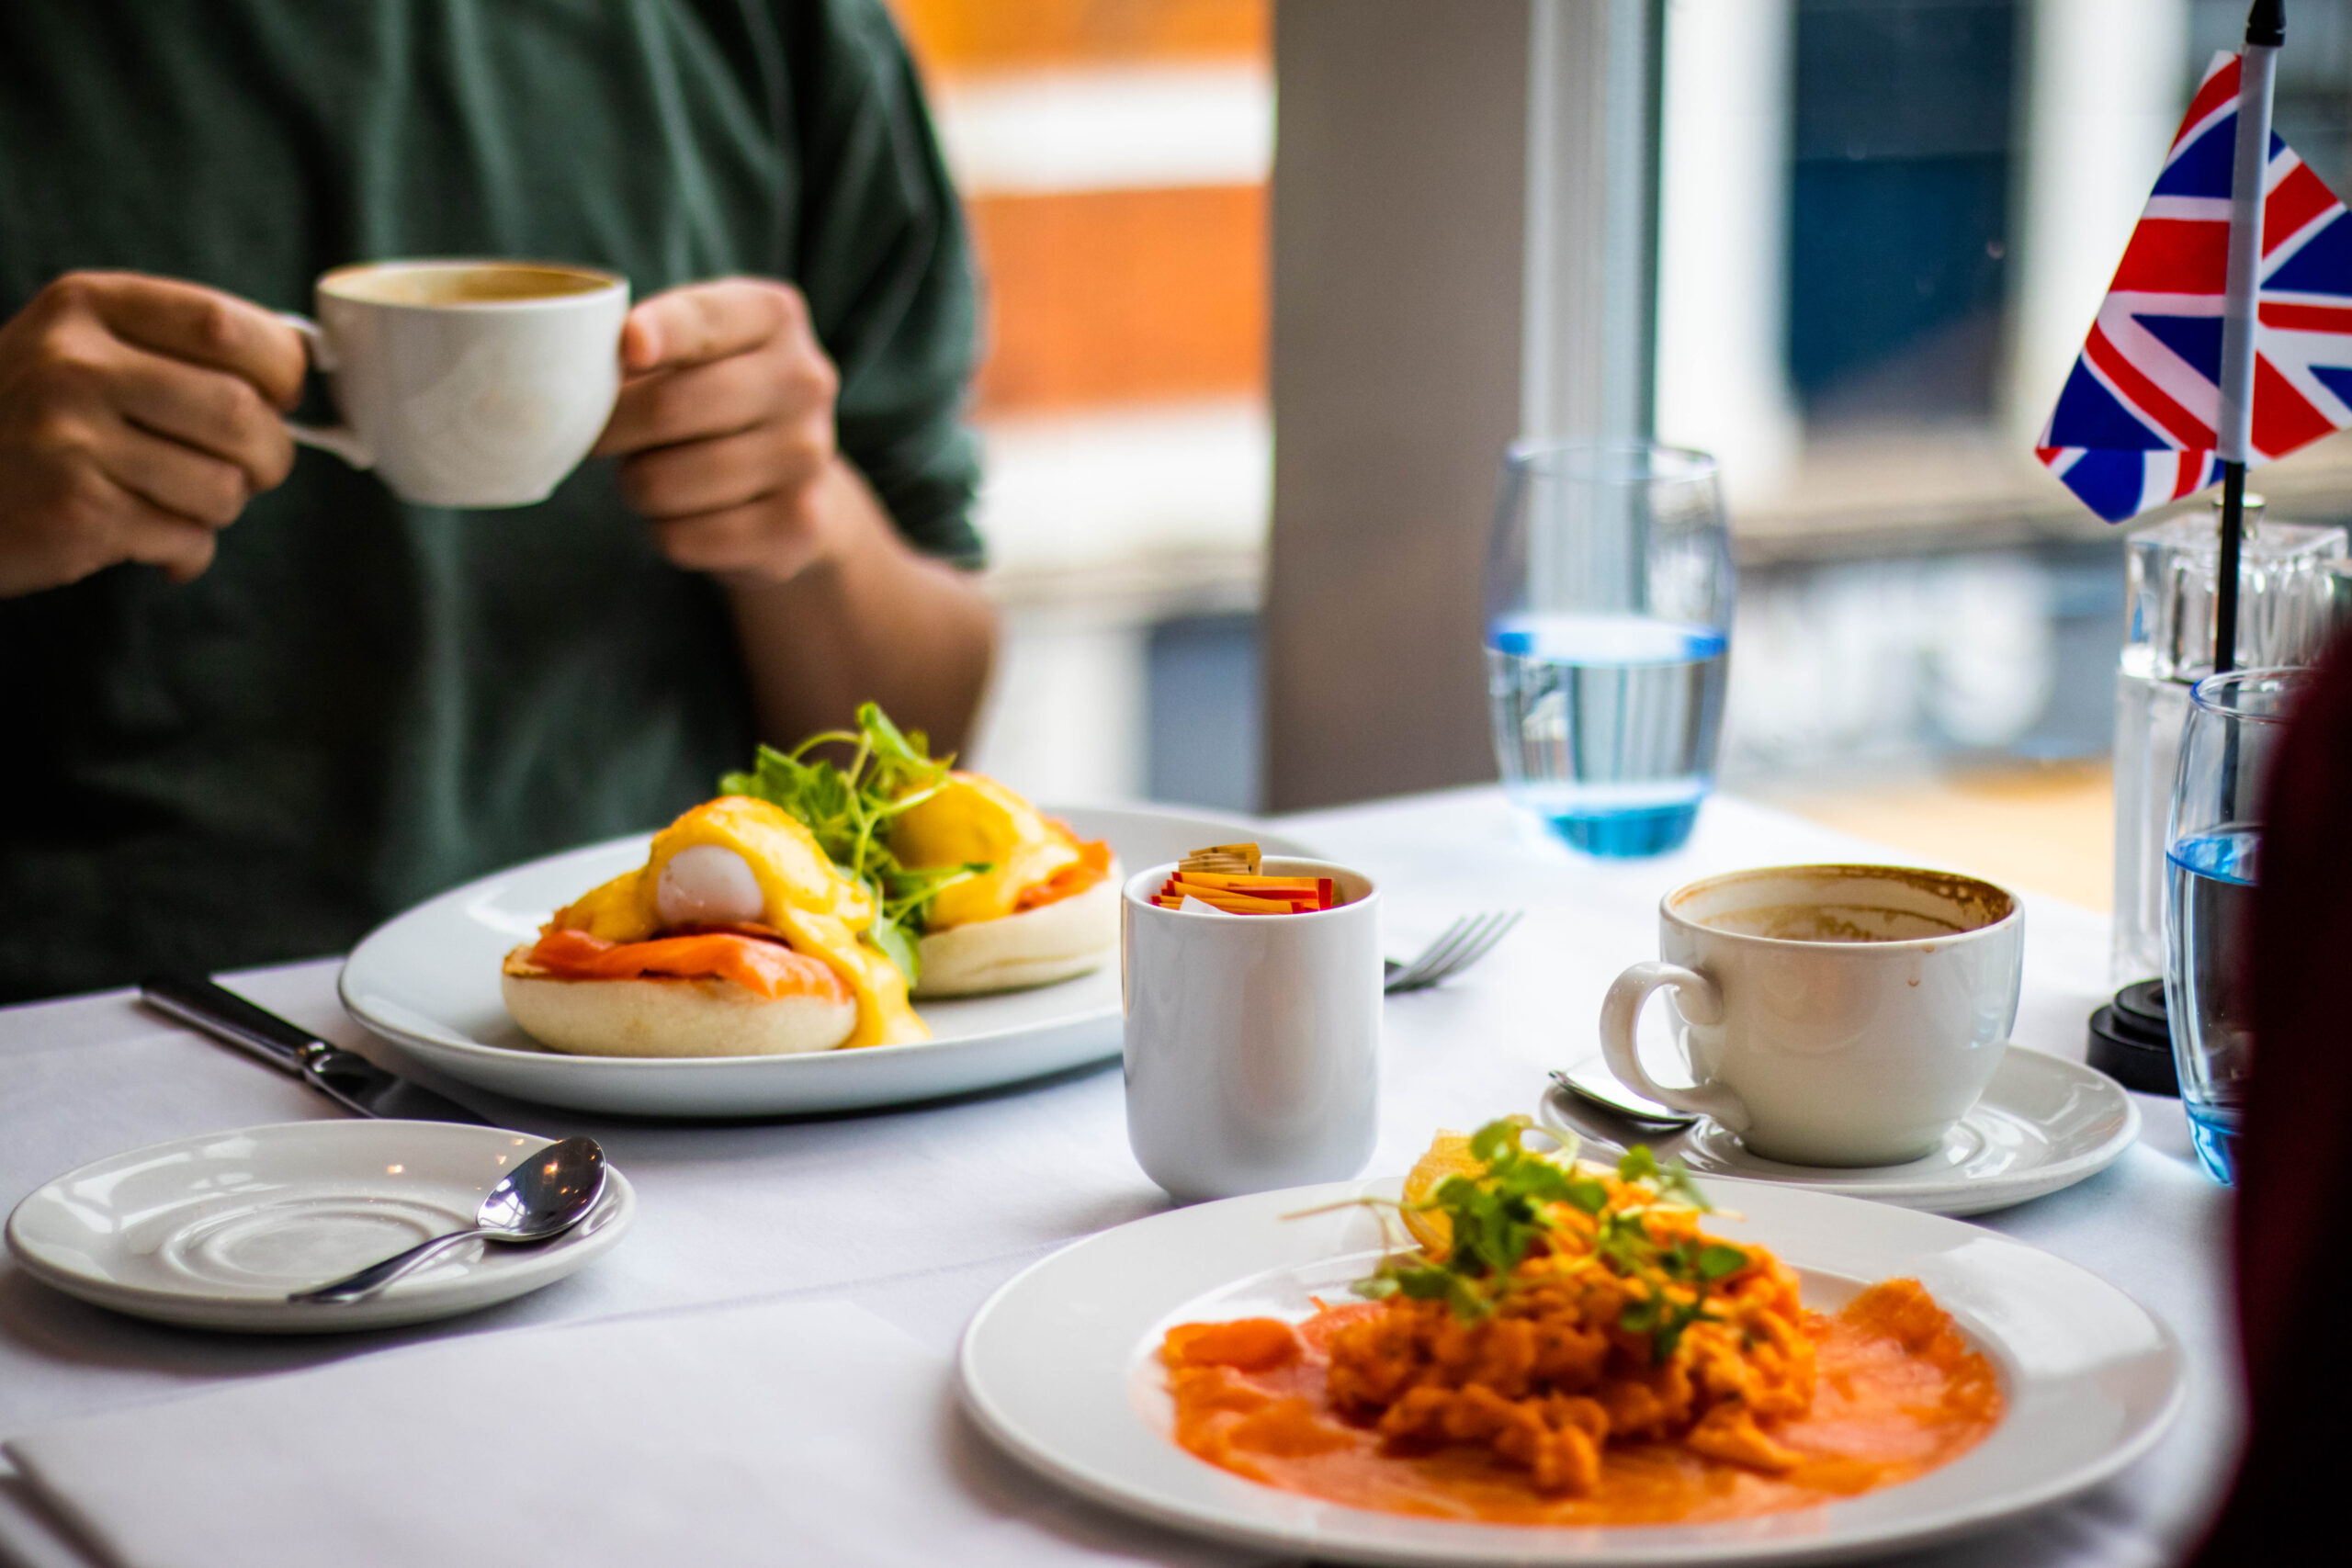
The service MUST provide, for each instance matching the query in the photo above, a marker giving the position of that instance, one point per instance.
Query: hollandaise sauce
(1032, 860)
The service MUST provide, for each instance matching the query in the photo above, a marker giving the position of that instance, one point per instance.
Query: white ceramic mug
(466, 383)
(1841, 1015)
(1253, 1041)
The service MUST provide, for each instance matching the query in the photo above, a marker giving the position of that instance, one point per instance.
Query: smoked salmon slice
(761, 964)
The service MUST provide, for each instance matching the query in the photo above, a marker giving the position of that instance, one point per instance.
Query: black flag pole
(2265, 30)
(2225, 587)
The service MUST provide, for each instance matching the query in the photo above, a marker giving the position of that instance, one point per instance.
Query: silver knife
(346, 1077)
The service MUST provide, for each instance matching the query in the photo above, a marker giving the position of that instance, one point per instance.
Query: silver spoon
(1591, 1081)
(546, 1196)
(1568, 1116)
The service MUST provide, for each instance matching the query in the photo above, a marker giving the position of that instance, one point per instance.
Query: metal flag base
(2130, 1040)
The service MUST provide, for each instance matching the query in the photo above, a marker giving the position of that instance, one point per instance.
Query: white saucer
(213, 1231)
(2043, 1123)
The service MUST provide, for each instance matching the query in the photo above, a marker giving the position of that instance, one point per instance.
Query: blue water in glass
(1606, 725)
(2209, 915)
(2214, 1130)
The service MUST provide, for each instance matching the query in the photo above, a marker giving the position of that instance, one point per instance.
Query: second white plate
(2042, 1124)
(1060, 1366)
(427, 983)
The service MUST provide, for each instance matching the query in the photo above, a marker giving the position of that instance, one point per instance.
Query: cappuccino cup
(466, 383)
(1829, 1015)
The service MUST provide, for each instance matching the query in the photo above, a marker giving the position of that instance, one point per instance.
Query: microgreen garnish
(1673, 1181)
(1674, 1278)
(849, 810)
(1503, 1213)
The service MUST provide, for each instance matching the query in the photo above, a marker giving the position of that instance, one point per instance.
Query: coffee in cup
(466, 383)
(1838, 1015)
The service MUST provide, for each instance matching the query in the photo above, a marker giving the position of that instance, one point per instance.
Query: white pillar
(1722, 381)
(1587, 307)
(1065, 721)
(2108, 80)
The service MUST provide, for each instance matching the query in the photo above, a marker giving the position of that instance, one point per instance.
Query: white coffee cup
(1842, 1015)
(1253, 1041)
(466, 383)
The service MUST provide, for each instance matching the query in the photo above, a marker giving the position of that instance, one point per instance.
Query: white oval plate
(1060, 1366)
(213, 1231)
(427, 982)
(2042, 1124)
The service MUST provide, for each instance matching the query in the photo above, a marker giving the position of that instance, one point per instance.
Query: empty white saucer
(2043, 1123)
(214, 1231)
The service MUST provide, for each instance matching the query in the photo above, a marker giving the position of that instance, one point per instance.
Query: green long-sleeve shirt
(364, 702)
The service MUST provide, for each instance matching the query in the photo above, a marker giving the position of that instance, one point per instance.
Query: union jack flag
(2135, 427)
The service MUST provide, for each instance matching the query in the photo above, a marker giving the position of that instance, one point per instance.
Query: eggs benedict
(975, 891)
(739, 936)
(1040, 905)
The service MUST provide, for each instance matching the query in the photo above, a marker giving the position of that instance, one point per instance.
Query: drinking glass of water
(1609, 595)
(2213, 849)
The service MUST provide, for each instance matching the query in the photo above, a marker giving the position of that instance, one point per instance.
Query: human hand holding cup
(139, 414)
(1829, 1015)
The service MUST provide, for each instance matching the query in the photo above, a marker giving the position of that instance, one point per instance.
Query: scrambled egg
(819, 911)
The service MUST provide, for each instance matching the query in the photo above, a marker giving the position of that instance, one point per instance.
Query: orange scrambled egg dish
(1569, 1345)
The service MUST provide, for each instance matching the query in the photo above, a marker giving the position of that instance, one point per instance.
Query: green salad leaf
(849, 810)
(1497, 1218)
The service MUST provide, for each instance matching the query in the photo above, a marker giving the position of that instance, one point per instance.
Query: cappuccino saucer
(2042, 1124)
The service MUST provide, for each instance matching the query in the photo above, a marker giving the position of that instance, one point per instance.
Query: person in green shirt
(256, 704)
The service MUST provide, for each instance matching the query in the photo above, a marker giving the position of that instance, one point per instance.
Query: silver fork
(1463, 944)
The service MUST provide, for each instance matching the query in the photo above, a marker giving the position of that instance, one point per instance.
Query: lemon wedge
(1448, 1154)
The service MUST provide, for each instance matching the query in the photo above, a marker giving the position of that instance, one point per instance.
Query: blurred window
(1959, 179)
(1883, 228)
(1899, 206)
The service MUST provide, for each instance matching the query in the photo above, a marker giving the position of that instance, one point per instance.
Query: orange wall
(1101, 298)
(1001, 35)
(1119, 296)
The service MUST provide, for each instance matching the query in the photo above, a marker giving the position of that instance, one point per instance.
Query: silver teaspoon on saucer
(548, 1194)
(1591, 1081)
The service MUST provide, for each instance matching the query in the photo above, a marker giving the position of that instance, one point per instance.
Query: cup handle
(1700, 1002)
(339, 439)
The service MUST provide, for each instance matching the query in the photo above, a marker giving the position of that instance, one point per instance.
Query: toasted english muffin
(1069, 937)
(654, 1016)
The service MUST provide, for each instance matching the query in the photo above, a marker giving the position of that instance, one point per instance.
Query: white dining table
(917, 1214)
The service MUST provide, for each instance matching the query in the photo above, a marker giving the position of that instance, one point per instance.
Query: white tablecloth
(917, 1214)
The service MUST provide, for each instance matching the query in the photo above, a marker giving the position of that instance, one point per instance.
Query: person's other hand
(138, 415)
(725, 428)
